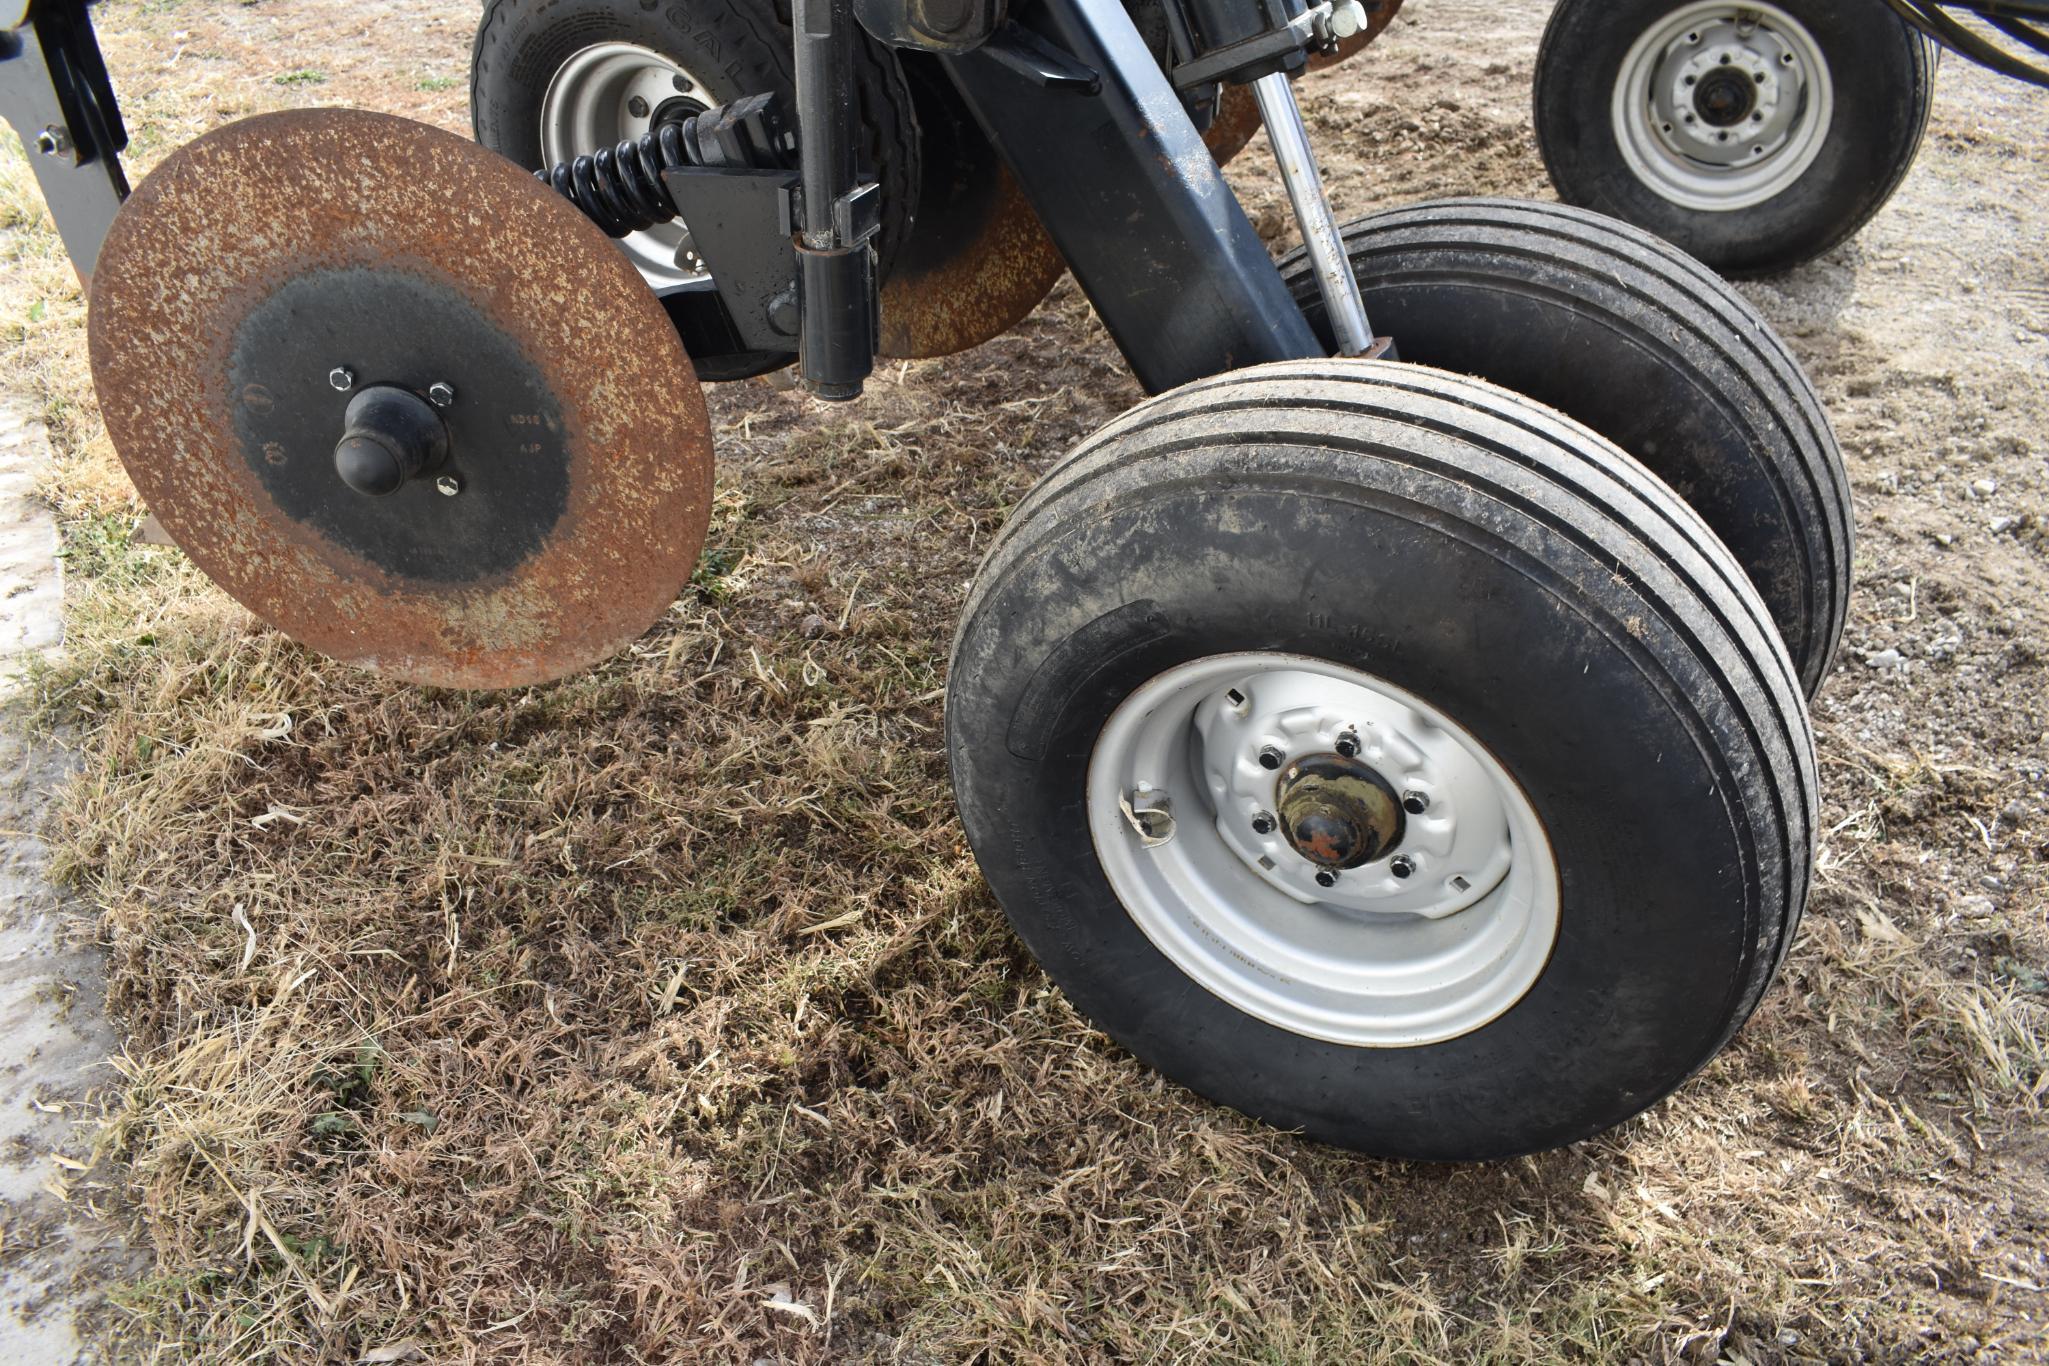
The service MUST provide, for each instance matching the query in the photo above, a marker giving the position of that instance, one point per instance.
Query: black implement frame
(1066, 89)
(55, 91)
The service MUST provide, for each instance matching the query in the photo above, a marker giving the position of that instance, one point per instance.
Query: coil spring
(620, 189)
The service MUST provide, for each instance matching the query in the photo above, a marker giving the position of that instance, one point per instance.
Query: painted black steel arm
(54, 90)
(1119, 175)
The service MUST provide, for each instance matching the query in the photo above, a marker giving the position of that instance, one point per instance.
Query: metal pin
(1320, 233)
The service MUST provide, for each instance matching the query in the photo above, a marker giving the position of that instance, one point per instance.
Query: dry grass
(661, 1014)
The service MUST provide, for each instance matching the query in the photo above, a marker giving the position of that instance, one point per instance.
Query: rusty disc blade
(984, 282)
(270, 272)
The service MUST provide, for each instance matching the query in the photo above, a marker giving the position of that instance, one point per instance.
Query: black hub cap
(1724, 97)
(392, 435)
(1337, 811)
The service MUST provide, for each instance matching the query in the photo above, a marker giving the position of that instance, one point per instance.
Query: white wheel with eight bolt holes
(1755, 134)
(1322, 850)
(1384, 755)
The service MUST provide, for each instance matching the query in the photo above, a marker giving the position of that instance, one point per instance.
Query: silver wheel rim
(1722, 106)
(1178, 785)
(613, 93)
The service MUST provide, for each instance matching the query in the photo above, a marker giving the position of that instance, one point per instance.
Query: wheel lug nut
(1402, 866)
(1348, 744)
(1326, 877)
(637, 107)
(1270, 757)
(1262, 824)
(1414, 802)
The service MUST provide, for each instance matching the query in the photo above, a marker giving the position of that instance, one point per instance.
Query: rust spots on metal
(988, 280)
(987, 276)
(230, 219)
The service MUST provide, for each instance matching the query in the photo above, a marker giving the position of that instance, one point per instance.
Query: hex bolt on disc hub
(1721, 106)
(1398, 894)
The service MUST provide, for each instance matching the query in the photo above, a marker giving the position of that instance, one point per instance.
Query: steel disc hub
(1722, 106)
(399, 399)
(1322, 849)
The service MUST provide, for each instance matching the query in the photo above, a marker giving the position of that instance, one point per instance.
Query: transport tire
(1198, 628)
(1642, 343)
(1754, 135)
(553, 79)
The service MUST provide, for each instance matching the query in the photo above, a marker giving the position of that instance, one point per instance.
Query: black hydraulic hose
(1931, 18)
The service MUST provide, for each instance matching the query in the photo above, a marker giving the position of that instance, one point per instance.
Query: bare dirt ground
(661, 1014)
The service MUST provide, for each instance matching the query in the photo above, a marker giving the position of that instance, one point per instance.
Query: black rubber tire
(1496, 560)
(1884, 76)
(1635, 339)
(745, 45)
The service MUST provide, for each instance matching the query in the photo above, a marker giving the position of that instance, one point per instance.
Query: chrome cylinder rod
(1319, 229)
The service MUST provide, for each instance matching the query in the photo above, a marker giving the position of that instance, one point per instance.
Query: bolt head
(448, 485)
(53, 141)
(342, 378)
(1415, 803)
(1402, 866)
(1270, 757)
(1262, 824)
(441, 395)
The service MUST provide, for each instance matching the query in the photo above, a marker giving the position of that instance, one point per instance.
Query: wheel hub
(1322, 849)
(1721, 106)
(389, 435)
(1309, 778)
(1724, 97)
(1728, 91)
(1338, 812)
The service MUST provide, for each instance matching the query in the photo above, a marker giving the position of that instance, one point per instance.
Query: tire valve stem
(1150, 813)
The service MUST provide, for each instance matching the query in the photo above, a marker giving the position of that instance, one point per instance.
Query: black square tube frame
(1101, 144)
